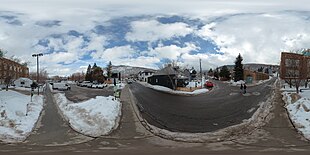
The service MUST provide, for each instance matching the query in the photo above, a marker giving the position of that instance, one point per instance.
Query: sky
(74, 33)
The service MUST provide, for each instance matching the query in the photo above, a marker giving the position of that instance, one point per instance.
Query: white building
(143, 75)
(23, 82)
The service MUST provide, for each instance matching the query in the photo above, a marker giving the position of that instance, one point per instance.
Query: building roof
(148, 71)
(169, 70)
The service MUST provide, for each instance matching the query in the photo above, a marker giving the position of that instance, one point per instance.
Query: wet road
(222, 107)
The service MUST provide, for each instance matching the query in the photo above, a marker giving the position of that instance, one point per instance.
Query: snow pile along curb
(95, 117)
(299, 112)
(18, 115)
(259, 118)
(176, 92)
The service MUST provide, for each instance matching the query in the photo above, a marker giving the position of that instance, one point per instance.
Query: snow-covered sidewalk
(18, 115)
(298, 108)
(94, 117)
(168, 90)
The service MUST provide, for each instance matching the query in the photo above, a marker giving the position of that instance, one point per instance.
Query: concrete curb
(259, 118)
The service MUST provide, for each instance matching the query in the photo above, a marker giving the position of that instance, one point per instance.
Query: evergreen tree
(97, 75)
(216, 73)
(224, 73)
(2, 53)
(88, 76)
(238, 69)
(109, 69)
(95, 66)
(210, 72)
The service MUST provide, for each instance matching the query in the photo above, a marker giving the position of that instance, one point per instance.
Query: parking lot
(78, 94)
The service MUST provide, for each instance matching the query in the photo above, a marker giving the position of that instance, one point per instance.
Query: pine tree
(94, 66)
(2, 53)
(88, 76)
(210, 72)
(216, 73)
(109, 69)
(238, 68)
(224, 73)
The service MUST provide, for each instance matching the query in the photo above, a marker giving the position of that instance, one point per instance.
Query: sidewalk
(52, 129)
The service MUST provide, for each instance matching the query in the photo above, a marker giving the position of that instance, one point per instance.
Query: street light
(37, 55)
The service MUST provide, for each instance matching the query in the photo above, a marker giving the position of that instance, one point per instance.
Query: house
(250, 76)
(144, 75)
(23, 82)
(169, 76)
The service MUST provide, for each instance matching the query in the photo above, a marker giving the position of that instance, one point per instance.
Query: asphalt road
(222, 107)
(78, 94)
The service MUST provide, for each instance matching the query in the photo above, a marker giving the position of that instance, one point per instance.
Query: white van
(61, 86)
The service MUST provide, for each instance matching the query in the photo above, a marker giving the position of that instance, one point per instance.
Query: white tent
(23, 82)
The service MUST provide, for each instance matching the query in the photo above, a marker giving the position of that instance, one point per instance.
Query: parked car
(209, 84)
(101, 86)
(130, 81)
(89, 85)
(85, 83)
(61, 86)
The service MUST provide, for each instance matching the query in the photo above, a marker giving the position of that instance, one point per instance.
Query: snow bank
(238, 83)
(28, 89)
(168, 90)
(299, 111)
(94, 117)
(18, 115)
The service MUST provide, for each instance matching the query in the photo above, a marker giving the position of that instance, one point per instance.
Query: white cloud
(114, 54)
(259, 38)
(171, 52)
(142, 61)
(153, 30)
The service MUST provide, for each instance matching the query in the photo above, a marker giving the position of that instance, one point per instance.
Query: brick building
(295, 66)
(12, 69)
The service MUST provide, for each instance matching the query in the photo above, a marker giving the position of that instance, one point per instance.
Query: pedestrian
(244, 88)
(241, 88)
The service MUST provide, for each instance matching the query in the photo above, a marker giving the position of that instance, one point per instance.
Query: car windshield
(155, 76)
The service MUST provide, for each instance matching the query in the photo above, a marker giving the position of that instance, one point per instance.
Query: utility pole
(37, 55)
(200, 72)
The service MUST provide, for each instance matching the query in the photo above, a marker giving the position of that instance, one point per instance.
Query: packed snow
(95, 117)
(298, 109)
(18, 115)
(168, 90)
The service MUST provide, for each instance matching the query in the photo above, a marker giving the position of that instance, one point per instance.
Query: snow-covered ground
(168, 90)
(298, 109)
(238, 83)
(27, 89)
(118, 85)
(94, 117)
(18, 115)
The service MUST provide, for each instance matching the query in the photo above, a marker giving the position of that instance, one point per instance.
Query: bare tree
(8, 81)
(294, 73)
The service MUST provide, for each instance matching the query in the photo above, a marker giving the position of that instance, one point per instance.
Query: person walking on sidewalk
(241, 88)
(244, 89)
